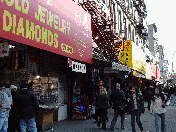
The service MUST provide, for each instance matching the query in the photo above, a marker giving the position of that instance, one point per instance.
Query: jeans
(30, 124)
(4, 122)
(116, 114)
(137, 114)
(158, 122)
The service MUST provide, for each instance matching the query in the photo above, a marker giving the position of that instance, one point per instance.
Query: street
(88, 125)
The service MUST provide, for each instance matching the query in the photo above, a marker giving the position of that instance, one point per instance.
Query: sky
(162, 13)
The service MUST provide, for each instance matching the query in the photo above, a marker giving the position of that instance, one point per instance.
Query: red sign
(153, 70)
(58, 26)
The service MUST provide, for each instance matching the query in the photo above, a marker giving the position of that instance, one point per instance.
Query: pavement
(87, 125)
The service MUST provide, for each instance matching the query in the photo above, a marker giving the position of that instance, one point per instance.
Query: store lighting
(38, 76)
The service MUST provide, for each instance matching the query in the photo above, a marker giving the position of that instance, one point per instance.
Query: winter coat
(140, 104)
(5, 103)
(28, 105)
(102, 101)
(118, 100)
(156, 105)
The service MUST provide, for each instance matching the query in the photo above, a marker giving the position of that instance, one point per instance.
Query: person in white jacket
(157, 107)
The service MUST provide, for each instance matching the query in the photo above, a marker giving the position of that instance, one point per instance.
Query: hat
(118, 85)
(12, 87)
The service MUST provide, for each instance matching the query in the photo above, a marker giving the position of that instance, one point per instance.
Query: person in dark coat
(13, 117)
(28, 108)
(118, 100)
(102, 104)
(150, 95)
(136, 107)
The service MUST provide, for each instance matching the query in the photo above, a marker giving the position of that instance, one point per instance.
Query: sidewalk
(88, 125)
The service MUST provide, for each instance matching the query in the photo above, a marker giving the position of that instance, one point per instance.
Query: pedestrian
(102, 104)
(5, 106)
(118, 100)
(136, 107)
(14, 124)
(97, 113)
(28, 107)
(150, 95)
(31, 86)
(158, 104)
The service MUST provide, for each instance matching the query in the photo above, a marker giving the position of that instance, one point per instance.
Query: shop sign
(138, 59)
(58, 26)
(126, 53)
(110, 70)
(158, 74)
(153, 70)
(137, 74)
(4, 49)
(120, 67)
(148, 71)
(77, 67)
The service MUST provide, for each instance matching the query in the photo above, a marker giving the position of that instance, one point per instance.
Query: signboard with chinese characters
(58, 26)
(126, 55)
(4, 49)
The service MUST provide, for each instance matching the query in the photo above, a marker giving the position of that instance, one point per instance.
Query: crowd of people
(18, 108)
(130, 101)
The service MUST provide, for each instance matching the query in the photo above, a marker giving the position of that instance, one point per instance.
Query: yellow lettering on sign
(44, 35)
(50, 18)
(55, 40)
(37, 14)
(42, 14)
(29, 31)
(63, 26)
(9, 3)
(20, 28)
(60, 29)
(6, 16)
(68, 27)
(17, 7)
(50, 34)
(37, 38)
(67, 48)
(25, 9)
(14, 24)
(55, 22)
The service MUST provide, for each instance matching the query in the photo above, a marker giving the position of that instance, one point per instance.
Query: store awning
(70, 33)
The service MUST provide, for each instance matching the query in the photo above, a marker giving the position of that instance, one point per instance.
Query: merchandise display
(46, 91)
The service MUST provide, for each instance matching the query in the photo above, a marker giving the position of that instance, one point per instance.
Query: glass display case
(46, 90)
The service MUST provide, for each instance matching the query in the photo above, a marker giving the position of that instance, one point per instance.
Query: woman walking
(158, 104)
(136, 107)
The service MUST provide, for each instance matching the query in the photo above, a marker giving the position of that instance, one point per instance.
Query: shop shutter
(53, 62)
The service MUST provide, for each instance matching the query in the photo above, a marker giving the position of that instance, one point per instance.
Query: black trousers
(136, 114)
(103, 117)
(149, 103)
(97, 114)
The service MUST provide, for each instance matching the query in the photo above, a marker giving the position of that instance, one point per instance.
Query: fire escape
(103, 33)
(141, 8)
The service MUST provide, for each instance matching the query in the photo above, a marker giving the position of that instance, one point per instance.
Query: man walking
(28, 107)
(118, 100)
(5, 107)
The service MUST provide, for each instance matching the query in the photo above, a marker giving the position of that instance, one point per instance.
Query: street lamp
(172, 61)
